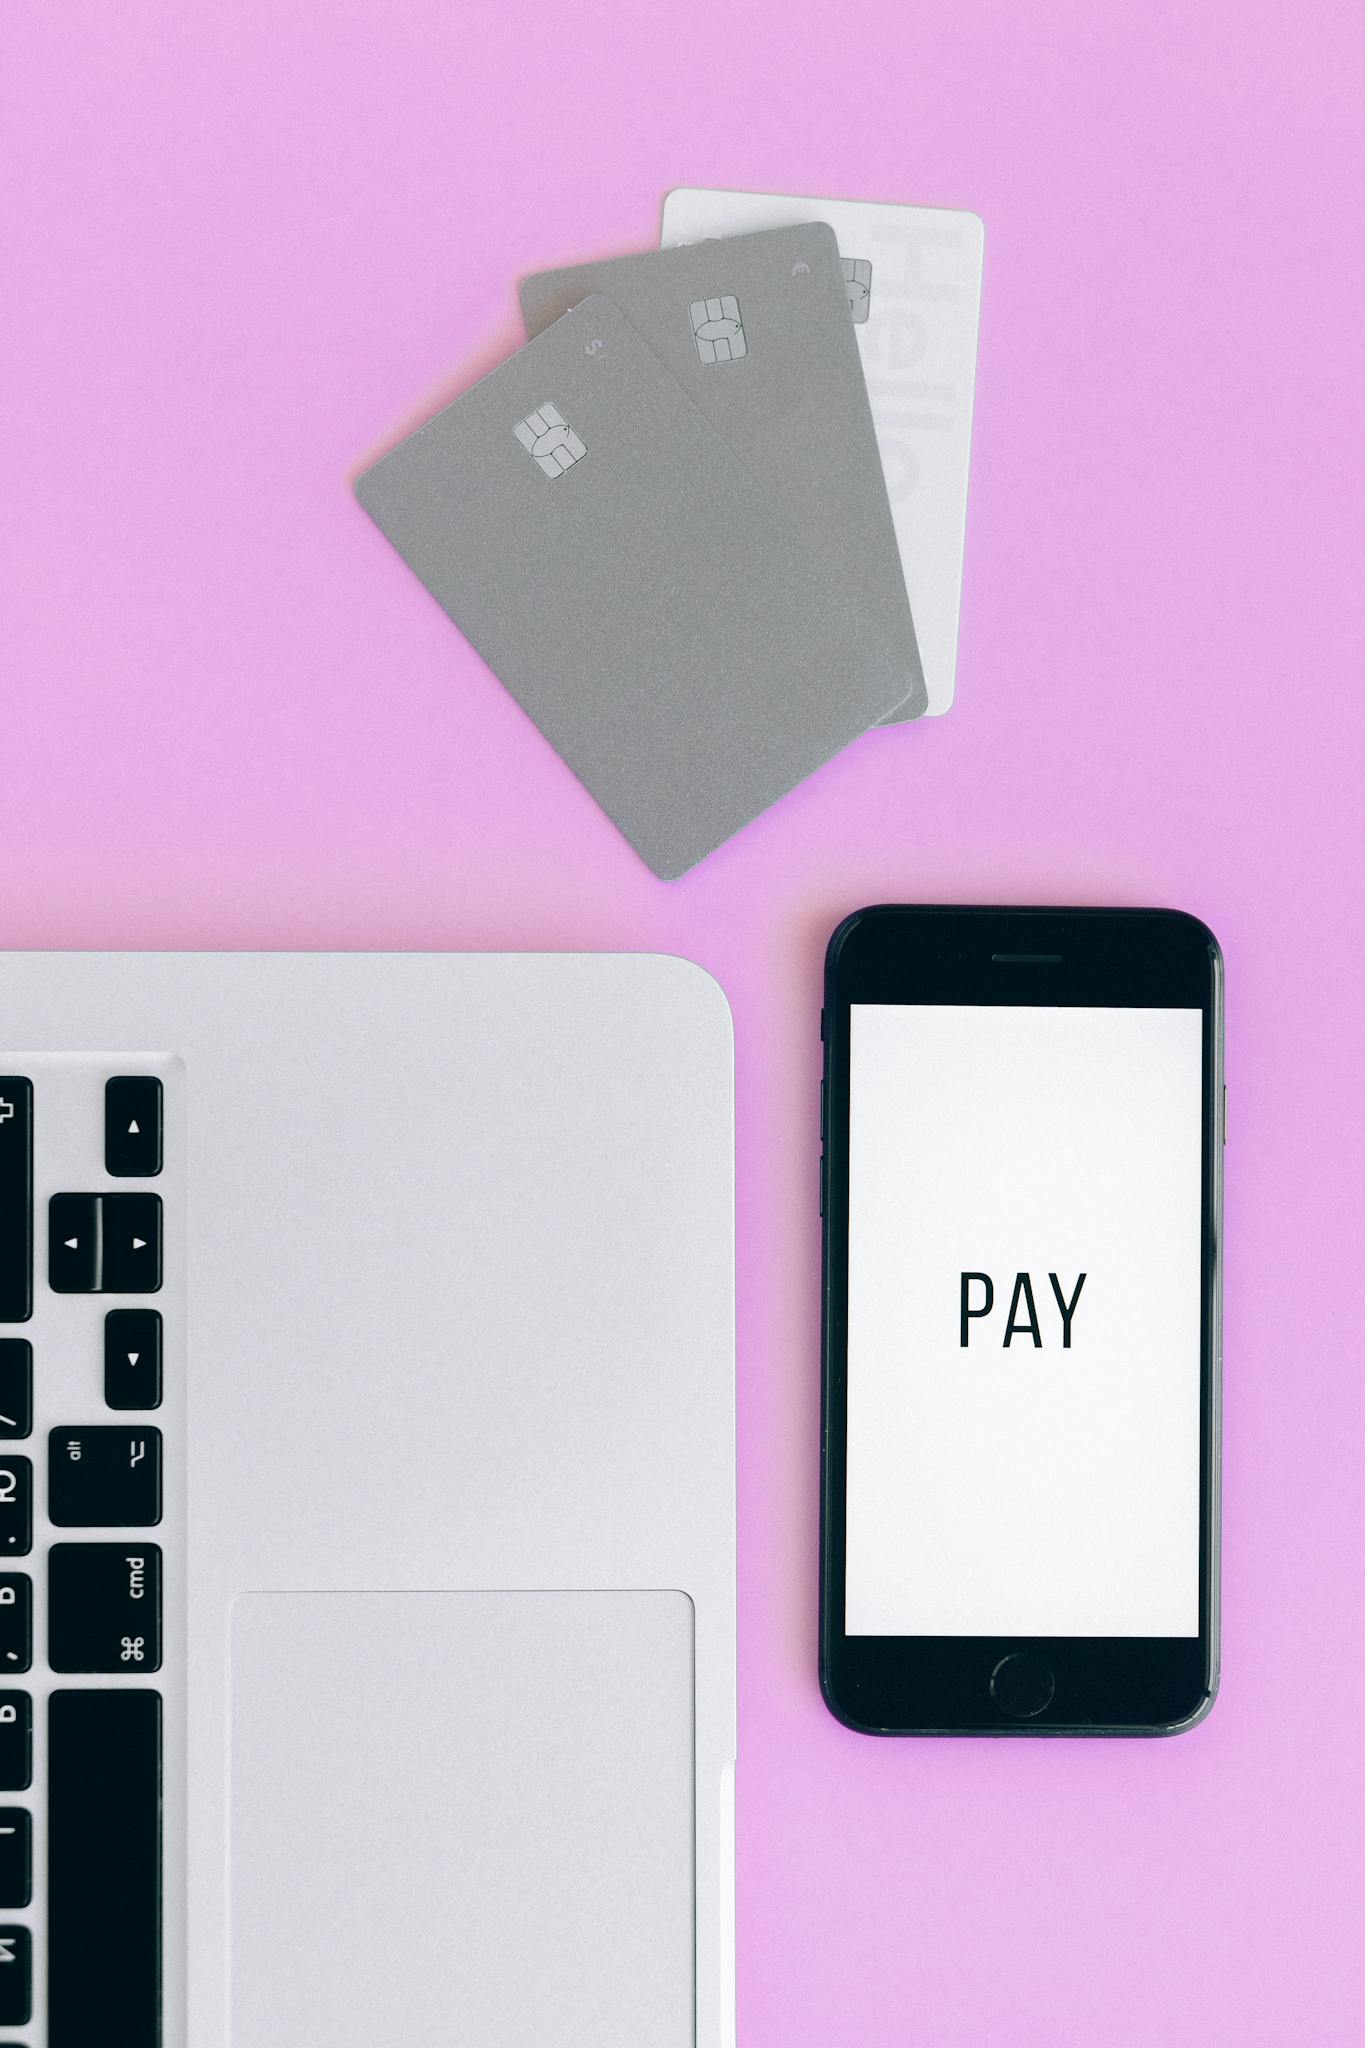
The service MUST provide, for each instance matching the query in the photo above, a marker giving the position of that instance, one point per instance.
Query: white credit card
(913, 275)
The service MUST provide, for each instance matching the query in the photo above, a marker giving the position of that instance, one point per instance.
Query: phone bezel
(1141, 959)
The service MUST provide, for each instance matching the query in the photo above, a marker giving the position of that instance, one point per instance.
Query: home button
(1022, 1685)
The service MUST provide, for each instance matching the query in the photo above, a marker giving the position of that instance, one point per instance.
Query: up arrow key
(132, 1126)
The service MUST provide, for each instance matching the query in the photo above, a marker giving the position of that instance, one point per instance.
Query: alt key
(103, 1477)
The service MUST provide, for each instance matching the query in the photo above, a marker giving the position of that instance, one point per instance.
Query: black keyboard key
(104, 1607)
(16, 1199)
(16, 1856)
(16, 1621)
(131, 1262)
(16, 1507)
(132, 1358)
(73, 1240)
(16, 1977)
(104, 1869)
(103, 1478)
(132, 1126)
(104, 1244)
(16, 1387)
(16, 1741)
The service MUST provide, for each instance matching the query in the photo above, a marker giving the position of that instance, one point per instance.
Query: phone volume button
(822, 1183)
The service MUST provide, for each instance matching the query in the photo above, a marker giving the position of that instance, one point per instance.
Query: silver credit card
(756, 329)
(676, 640)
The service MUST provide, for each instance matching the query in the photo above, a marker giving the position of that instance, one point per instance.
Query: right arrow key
(130, 1250)
(132, 1358)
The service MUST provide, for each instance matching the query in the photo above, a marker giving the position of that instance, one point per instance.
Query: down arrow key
(132, 1358)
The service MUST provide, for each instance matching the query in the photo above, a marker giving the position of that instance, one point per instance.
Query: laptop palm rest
(462, 1817)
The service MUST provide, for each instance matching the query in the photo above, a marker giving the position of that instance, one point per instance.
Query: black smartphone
(1023, 1120)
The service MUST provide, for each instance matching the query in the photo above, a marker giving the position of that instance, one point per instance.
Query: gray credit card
(756, 328)
(640, 595)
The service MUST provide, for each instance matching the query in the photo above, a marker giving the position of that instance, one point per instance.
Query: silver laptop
(367, 1484)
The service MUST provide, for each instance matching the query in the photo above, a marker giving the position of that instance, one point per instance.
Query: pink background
(244, 244)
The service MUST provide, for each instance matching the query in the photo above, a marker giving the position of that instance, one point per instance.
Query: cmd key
(104, 1607)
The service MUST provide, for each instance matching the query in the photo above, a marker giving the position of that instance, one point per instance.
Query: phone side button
(1022, 1685)
(822, 1183)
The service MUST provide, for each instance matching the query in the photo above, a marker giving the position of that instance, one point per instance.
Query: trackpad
(462, 1818)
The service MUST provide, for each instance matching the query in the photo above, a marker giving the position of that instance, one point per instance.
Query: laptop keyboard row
(81, 1583)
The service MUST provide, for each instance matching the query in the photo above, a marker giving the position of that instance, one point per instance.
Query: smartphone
(1023, 1118)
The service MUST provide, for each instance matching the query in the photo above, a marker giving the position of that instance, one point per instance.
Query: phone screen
(1024, 1321)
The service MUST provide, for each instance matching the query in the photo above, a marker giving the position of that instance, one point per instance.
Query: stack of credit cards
(707, 525)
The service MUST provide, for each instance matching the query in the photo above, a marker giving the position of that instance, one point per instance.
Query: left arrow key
(73, 1244)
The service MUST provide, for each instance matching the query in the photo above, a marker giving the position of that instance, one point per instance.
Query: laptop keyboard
(91, 1485)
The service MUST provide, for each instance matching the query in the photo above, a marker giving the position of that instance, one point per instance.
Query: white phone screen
(1024, 1321)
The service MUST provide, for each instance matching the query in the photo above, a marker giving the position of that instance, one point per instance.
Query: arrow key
(132, 1125)
(132, 1358)
(73, 1244)
(131, 1261)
